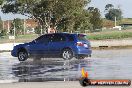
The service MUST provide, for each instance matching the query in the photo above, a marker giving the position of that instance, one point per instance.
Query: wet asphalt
(104, 64)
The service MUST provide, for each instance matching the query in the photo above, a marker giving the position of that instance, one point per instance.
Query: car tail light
(80, 44)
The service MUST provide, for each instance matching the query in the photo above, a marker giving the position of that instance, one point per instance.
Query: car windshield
(39, 38)
(82, 37)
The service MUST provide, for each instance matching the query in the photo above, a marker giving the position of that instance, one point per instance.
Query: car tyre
(67, 54)
(22, 55)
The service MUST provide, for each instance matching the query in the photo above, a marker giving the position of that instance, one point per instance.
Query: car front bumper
(14, 53)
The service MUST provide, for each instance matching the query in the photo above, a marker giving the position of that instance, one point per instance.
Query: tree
(48, 12)
(112, 12)
(38, 30)
(95, 18)
(1, 1)
(1, 24)
(82, 22)
(18, 24)
(3, 33)
(108, 7)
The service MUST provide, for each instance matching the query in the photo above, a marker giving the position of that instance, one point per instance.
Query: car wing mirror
(34, 41)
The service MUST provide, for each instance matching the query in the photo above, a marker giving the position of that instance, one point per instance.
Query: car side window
(58, 38)
(43, 39)
(70, 37)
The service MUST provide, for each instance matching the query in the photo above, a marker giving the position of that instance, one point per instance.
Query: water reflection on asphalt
(55, 70)
(104, 64)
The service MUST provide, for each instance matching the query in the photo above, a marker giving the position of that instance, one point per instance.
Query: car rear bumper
(86, 52)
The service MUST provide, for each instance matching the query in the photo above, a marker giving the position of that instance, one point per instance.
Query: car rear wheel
(22, 55)
(67, 54)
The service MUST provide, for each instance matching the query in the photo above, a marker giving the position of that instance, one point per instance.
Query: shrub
(38, 30)
(3, 32)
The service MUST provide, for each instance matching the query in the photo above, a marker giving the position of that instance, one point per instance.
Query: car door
(57, 43)
(40, 47)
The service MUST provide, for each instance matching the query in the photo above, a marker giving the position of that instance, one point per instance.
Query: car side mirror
(34, 41)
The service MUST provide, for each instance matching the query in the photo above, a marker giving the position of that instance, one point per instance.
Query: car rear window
(82, 37)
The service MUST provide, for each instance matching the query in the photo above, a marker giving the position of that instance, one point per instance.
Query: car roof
(68, 33)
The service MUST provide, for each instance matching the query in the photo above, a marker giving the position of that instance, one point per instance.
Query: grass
(110, 35)
(19, 39)
(127, 20)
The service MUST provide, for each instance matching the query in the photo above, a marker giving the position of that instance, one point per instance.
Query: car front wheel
(22, 55)
(67, 54)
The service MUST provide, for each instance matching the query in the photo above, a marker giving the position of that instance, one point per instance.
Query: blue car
(64, 45)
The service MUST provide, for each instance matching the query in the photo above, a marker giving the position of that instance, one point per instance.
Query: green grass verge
(110, 35)
(19, 39)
